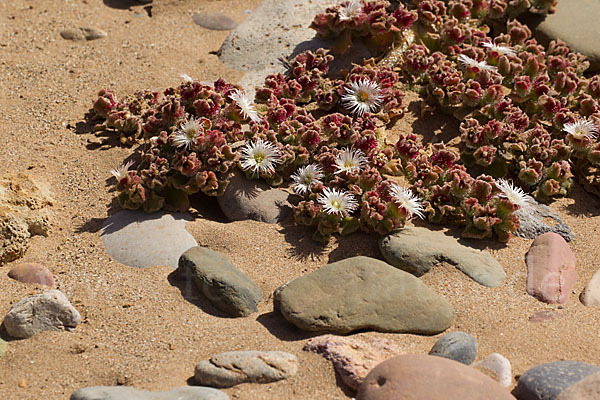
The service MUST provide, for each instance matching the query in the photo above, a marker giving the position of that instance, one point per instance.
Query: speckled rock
(356, 293)
(551, 271)
(33, 273)
(547, 381)
(82, 34)
(457, 346)
(214, 21)
(586, 389)
(129, 393)
(417, 250)
(235, 367)
(352, 358)
(420, 377)
(498, 366)
(540, 219)
(225, 286)
(591, 293)
(49, 311)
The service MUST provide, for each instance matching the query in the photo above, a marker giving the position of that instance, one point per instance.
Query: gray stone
(576, 23)
(457, 346)
(140, 239)
(214, 21)
(363, 293)
(129, 393)
(417, 250)
(225, 286)
(232, 368)
(591, 293)
(254, 199)
(49, 311)
(540, 219)
(586, 389)
(82, 34)
(547, 381)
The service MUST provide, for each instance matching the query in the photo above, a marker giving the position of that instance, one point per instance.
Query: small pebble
(214, 21)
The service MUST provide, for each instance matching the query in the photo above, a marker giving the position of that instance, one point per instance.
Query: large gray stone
(586, 389)
(140, 239)
(49, 311)
(417, 250)
(539, 219)
(129, 393)
(547, 381)
(457, 346)
(225, 286)
(235, 367)
(363, 293)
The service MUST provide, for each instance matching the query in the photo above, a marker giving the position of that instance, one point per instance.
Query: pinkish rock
(586, 389)
(542, 316)
(352, 358)
(551, 271)
(32, 273)
(418, 377)
(591, 294)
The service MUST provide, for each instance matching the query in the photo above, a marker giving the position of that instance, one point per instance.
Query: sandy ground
(140, 329)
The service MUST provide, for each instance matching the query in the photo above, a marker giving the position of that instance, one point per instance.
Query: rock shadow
(357, 244)
(125, 4)
(433, 128)
(206, 207)
(107, 138)
(304, 248)
(192, 294)
(586, 203)
(282, 329)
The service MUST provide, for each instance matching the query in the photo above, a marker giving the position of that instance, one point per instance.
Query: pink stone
(542, 316)
(551, 273)
(353, 359)
(32, 273)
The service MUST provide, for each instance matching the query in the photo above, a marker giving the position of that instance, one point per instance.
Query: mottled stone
(457, 346)
(358, 293)
(417, 250)
(129, 393)
(33, 273)
(49, 311)
(586, 389)
(591, 293)
(539, 219)
(140, 239)
(420, 377)
(551, 271)
(82, 34)
(214, 21)
(499, 366)
(547, 381)
(352, 358)
(235, 367)
(225, 286)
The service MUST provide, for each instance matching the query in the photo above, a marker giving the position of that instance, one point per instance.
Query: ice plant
(499, 49)
(259, 157)
(582, 128)
(350, 160)
(350, 10)
(515, 194)
(305, 177)
(337, 202)
(245, 104)
(481, 65)
(121, 172)
(186, 78)
(405, 198)
(186, 133)
(362, 96)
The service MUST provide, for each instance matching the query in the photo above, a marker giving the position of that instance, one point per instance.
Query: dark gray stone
(536, 221)
(214, 21)
(235, 367)
(417, 250)
(547, 381)
(457, 346)
(225, 286)
(363, 293)
(129, 393)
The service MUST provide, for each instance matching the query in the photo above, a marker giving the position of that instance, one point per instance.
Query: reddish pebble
(542, 316)
(32, 273)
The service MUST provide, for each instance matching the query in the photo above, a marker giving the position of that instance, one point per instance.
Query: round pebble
(457, 346)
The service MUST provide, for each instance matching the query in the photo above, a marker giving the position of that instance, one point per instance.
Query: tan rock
(586, 389)
(591, 294)
(32, 273)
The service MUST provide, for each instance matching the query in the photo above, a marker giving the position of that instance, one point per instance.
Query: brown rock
(32, 273)
(418, 377)
(353, 359)
(586, 389)
(551, 271)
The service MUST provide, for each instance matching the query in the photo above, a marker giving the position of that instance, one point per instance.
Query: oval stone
(33, 273)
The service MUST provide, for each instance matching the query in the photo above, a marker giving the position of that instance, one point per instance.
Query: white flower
(245, 104)
(582, 128)
(499, 49)
(482, 65)
(121, 172)
(260, 156)
(350, 160)
(350, 10)
(188, 130)
(186, 77)
(515, 194)
(407, 200)
(362, 96)
(306, 176)
(337, 201)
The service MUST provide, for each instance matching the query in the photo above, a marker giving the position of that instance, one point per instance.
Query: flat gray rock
(129, 393)
(254, 199)
(457, 346)
(576, 23)
(235, 367)
(547, 381)
(140, 239)
(49, 311)
(225, 286)
(363, 293)
(540, 219)
(417, 250)
(214, 21)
